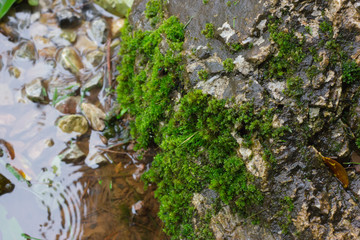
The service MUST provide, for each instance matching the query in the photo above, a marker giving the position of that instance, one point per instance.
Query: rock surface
(73, 123)
(313, 97)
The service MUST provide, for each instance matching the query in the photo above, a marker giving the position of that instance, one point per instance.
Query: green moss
(312, 71)
(197, 149)
(154, 11)
(350, 71)
(228, 65)
(209, 30)
(326, 28)
(203, 75)
(205, 1)
(294, 87)
(290, 52)
(285, 213)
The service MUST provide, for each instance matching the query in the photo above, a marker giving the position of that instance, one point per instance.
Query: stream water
(60, 193)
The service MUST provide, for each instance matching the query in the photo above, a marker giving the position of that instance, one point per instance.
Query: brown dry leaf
(338, 170)
(356, 158)
(9, 148)
(118, 167)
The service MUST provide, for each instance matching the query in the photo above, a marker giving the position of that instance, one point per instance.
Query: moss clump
(209, 31)
(197, 149)
(350, 71)
(145, 93)
(290, 52)
(198, 152)
(154, 11)
(203, 75)
(228, 65)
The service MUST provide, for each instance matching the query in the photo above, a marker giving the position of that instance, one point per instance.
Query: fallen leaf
(9, 148)
(338, 170)
(118, 167)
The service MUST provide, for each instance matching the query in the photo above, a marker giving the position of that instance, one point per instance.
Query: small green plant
(205, 1)
(228, 65)
(350, 71)
(327, 28)
(294, 87)
(203, 75)
(209, 31)
(228, 3)
(286, 210)
(5, 5)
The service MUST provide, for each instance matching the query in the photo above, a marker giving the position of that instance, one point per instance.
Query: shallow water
(63, 200)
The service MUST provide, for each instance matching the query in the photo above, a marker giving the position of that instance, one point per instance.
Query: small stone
(73, 123)
(100, 30)
(5, 185)
(35, 91)
(70, 60)
(60, 87)
(94, 82)
(95, 58)
(14, 72)
(116, 7)
(72, 154)
(26, 50)
(49, 142)
(68, 19)
(116, 25)
(69, 35)
(97, 160)
(95, 115)
(68, 105)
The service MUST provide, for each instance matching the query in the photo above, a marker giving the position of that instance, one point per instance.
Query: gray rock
(94, 82)
(73, 123)
(95, 115)
(202, 52)
(67, 18)
(70, 60)
(36, 91)
(95, 58)
(100, 30)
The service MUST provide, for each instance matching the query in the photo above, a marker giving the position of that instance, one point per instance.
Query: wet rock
(95, 115)
(203, 201)
(6, 96)
(94, 82)
(73, 123)
(69, 35)
(259, 53)
(72, 154)
(95, 57)
(253, 157)
(100, 30)
(36, 91)
(84, 44)
(242, 65)
(70, 60)
(67, 18)
(14, 72)
(68, 105)
(334, 142)
(60, 87)
(97, 160)
(5, 185)
(116, 25)
(26, 50)
(202, 52)
(226, 225)
(214, 65)
(116, 7)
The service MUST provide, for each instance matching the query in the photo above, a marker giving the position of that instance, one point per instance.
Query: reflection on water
(57, 194)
